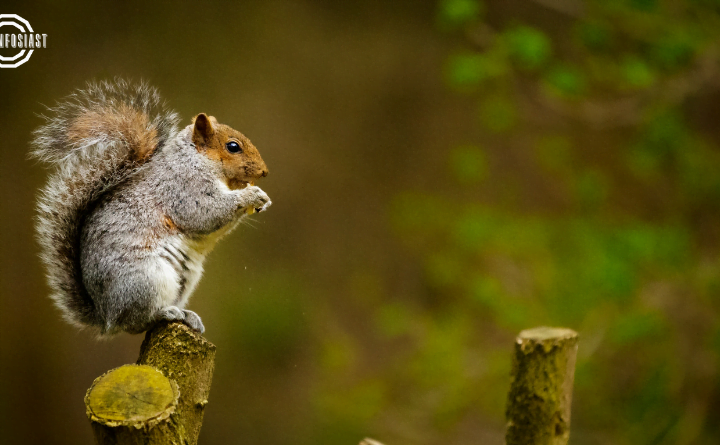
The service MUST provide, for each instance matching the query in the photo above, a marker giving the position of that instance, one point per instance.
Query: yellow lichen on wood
(131, 394)
(543, 368)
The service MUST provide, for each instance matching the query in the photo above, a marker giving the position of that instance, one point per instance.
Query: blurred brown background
(443, 174)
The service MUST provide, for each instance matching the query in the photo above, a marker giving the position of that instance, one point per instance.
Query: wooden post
(543, 368)
(161, 399)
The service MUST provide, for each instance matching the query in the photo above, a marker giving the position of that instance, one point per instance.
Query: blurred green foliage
(619, 242)
(468, 164)
(580, 189)
(268, 327)
(530, 48)
(455, 13)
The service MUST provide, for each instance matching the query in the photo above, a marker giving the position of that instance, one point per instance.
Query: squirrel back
(94, 139)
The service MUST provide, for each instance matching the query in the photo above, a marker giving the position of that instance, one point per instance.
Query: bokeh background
(444, 173)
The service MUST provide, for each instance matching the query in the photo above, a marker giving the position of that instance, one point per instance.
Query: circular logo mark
(24, 40)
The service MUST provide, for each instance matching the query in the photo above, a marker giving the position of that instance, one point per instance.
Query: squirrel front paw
(254, 199)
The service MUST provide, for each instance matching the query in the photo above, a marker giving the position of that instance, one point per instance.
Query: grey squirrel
(134, 204)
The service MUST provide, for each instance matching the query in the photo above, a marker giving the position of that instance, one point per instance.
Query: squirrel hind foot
(193, 320)
(190, 318)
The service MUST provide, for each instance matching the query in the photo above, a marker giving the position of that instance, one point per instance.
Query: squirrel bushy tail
(94, 139)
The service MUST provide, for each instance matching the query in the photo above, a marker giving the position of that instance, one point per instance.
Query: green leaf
(566, 81)
(637, 73)
(528, 46)
(455, 13)
(465, 71)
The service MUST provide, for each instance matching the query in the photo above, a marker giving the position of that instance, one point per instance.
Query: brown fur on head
(216, 140)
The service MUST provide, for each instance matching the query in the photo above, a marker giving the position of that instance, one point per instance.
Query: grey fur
(113, 262)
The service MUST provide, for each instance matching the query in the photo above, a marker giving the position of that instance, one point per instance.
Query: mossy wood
(159, 400)
(543, 369)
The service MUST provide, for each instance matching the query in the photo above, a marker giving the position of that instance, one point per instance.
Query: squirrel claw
(264, 207)
(171, 313)
(193, 320)
(251, 210)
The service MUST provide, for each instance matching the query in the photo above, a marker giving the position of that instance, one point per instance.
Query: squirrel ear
(203, 128)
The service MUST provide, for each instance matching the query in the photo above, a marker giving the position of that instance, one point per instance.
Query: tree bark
(161, 399)
(543, 369)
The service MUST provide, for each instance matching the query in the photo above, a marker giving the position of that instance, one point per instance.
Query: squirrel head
(238, 158)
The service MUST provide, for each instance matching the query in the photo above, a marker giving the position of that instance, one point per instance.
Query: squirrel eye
(233, 147)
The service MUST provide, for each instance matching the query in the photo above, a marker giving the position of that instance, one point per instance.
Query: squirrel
(133, 204)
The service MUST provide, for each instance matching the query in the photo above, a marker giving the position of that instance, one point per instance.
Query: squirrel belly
(134, 205)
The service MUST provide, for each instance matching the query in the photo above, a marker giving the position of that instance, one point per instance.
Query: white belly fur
(166, 281)
(196, 250)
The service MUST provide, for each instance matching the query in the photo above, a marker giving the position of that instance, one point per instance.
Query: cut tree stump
(159, 400)
(543, 369)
